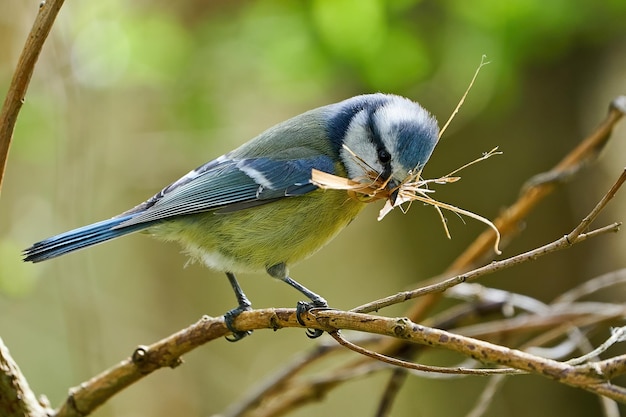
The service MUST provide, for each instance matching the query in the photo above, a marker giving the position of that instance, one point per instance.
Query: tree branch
(16, 397)
(167, 353)
(48, 11)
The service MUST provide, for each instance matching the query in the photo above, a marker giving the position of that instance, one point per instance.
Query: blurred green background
(128, 96)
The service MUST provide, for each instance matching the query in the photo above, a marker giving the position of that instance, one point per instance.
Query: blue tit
(255, 208)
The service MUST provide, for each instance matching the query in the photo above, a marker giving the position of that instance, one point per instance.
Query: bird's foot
(304, 307)
(229, 318)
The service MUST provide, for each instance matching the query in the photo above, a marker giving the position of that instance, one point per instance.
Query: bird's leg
(280, 272)
(243, 305)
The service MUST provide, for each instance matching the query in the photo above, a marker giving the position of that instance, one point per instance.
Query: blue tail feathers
(81, 238)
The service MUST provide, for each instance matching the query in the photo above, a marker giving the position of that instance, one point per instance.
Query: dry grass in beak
(367, 189)
(413, 188)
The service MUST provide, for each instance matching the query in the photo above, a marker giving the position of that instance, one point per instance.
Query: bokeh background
(128, 96)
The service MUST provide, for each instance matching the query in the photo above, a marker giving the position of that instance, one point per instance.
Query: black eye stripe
(384, 156)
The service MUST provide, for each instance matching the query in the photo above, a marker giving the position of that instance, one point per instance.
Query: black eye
(383, 156)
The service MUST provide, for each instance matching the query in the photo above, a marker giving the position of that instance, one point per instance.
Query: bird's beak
(394, 187)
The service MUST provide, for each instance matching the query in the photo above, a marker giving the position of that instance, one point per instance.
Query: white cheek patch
(356, 140)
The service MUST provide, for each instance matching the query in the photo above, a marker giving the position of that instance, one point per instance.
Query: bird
(256, 208)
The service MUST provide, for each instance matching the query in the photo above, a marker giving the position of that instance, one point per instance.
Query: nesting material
(413, 188)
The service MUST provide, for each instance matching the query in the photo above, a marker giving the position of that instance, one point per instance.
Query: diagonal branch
(48, 11)
(494, 266)
(537, 189)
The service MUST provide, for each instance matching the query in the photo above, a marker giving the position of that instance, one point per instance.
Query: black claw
(229, 318)
(237, 336)
(304, 307)
(314, 333)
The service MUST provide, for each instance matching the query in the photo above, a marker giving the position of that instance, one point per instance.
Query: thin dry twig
(617, 335)
(48, 11)
(458, 106)
(495, 266)
(416, 366)
(295, 393)
(584, 224)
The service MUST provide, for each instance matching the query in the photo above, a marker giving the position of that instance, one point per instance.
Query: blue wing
(221, 185)
(226, 185)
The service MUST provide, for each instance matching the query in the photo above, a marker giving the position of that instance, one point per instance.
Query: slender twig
(297, 393)
(48, 11)
(495, 266)
(578, 315)
(416, 366)
(458, 106)
(617, 335)
(584, 224)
